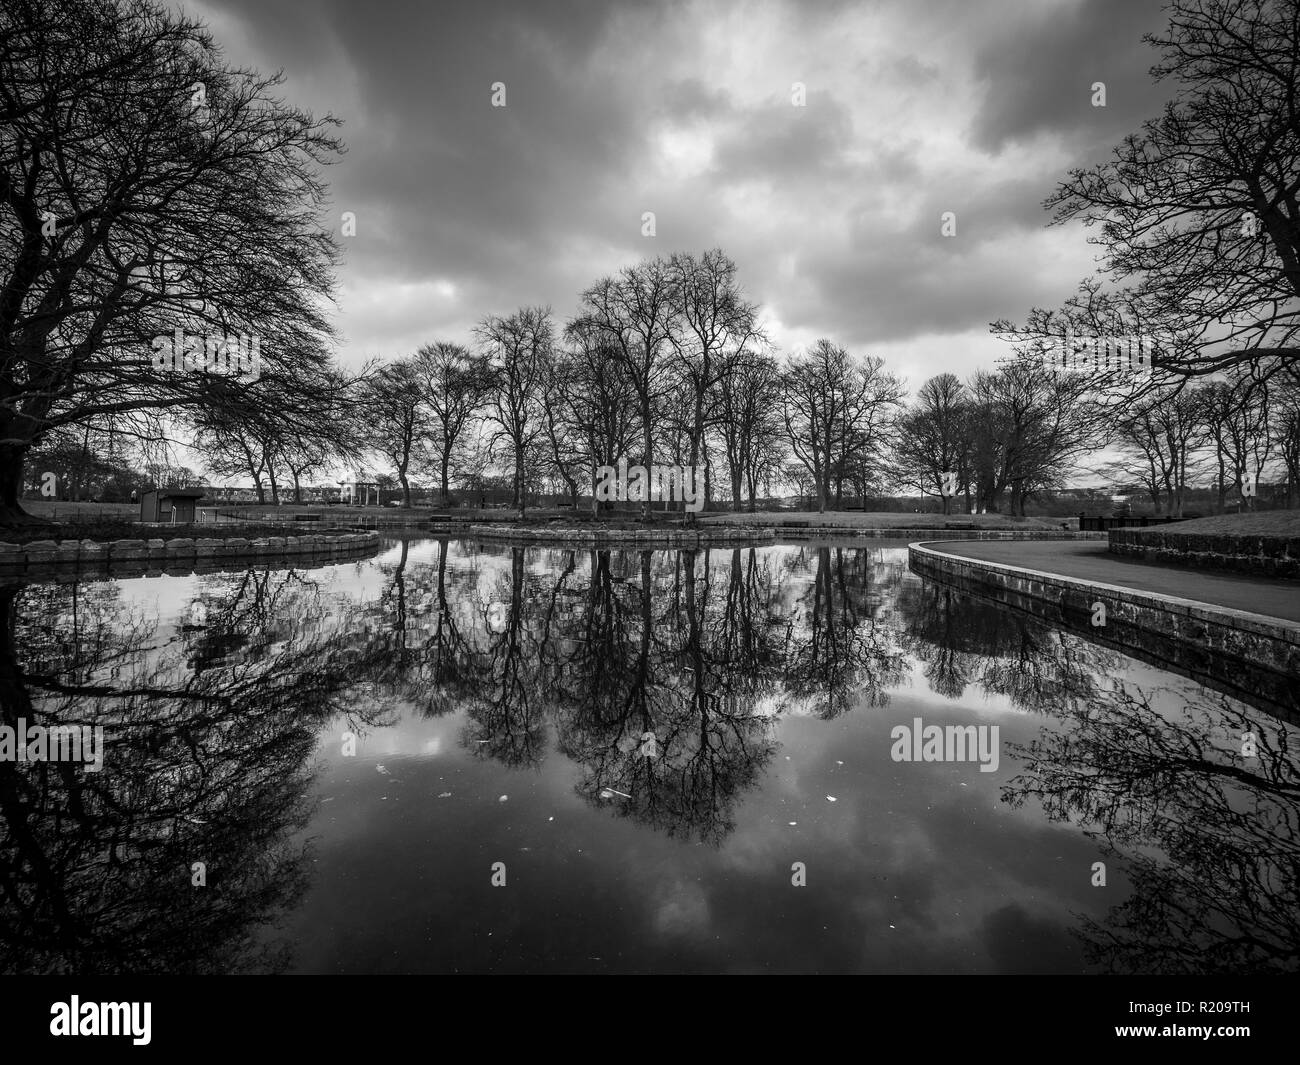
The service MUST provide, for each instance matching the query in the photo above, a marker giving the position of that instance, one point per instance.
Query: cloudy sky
(832, 210)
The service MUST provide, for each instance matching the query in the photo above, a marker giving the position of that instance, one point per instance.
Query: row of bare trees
(1023, 429)
(663, 362)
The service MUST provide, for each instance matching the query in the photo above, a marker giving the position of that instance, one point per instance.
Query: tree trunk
(648, 460)
(521, 493)
(11, 486)
(446, 461)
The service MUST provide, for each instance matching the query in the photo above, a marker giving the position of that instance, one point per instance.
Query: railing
(1100, 523)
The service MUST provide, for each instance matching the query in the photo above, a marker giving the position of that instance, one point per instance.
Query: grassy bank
(886, 519)
(1263, 523)
(1265, 544)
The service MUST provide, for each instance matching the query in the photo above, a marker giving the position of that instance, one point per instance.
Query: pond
(470, 757)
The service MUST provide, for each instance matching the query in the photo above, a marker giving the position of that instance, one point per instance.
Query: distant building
(232, 494)
(359, 491)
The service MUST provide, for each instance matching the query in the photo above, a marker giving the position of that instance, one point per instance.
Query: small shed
(175, 505)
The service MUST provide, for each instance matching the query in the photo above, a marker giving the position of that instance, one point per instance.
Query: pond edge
(1201, 638)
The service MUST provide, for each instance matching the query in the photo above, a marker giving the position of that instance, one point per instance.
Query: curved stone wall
(82, 555)
(1253, 657)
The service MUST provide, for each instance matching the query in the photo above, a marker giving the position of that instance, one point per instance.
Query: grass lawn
(1259, 523)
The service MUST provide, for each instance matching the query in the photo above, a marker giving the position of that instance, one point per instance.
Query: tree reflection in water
(208, 737)
(597, 651)
(662, 675)
(1209, 838)
(1219, 893)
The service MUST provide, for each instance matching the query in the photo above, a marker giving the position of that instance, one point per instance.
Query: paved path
(1090, 561)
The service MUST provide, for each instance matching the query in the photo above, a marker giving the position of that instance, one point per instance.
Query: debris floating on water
(831, 798)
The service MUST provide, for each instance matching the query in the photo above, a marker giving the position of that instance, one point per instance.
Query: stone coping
(93, 554)
(732, 533)
(1200, 637)
(1238, 619)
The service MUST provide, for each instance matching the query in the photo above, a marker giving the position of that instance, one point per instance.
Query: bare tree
(1159, 440)
(835, 409)
(146, 188)
(456, 385)
(1201, 206)
(750, 420)
(713, 321)
(634, 314)
(1286, 432)
(520, 356)
(1032, 424)
(592, 389)
(932, 437)
(399, 418)
(1237, 418)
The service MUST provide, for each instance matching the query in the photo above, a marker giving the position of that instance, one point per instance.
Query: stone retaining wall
(90, 554)
(1260, 556)
(1252, 656)
(707, 535)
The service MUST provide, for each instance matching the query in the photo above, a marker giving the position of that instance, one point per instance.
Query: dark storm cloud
(1039, 72)
(780, 140)
(831, 210)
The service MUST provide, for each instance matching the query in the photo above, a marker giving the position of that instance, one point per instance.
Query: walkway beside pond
(1090, 561)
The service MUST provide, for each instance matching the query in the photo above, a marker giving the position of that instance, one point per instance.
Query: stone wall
(1261, 556)
(1254, 657)
(82, 555)
(727, 534)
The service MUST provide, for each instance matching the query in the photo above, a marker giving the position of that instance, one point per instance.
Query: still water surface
(655, 746)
